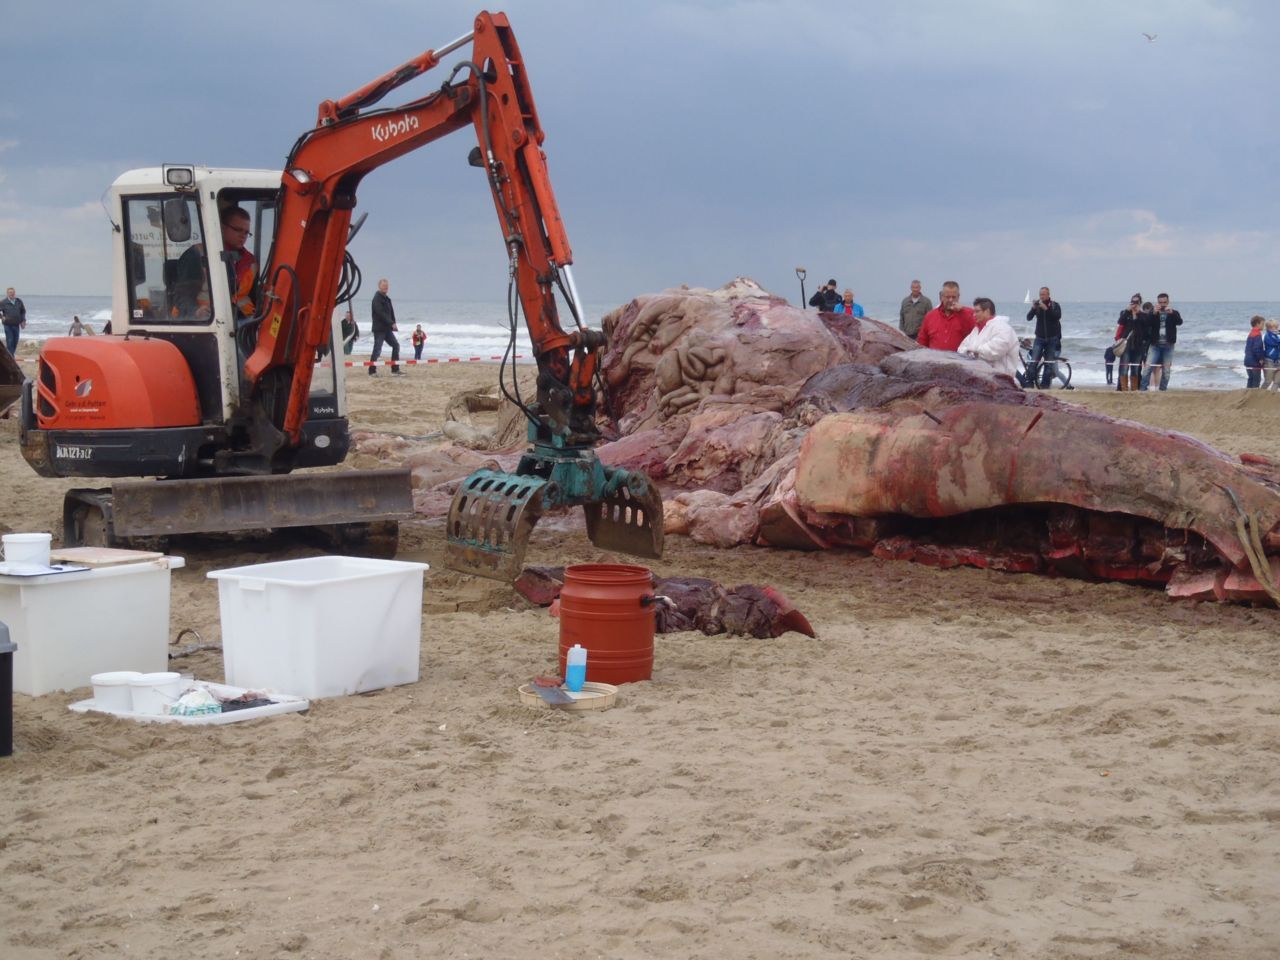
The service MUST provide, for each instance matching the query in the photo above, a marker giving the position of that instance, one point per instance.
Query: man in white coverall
(992, 339)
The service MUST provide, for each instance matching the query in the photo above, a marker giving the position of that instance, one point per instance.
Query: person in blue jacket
(846, 305)
(1253, 353)
(1271, 356)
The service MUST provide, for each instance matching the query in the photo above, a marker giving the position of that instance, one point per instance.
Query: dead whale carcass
(800, 429)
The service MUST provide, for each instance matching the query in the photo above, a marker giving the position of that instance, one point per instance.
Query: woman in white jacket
(992, 338)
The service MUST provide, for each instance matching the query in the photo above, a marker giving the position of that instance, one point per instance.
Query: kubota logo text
(394, 128)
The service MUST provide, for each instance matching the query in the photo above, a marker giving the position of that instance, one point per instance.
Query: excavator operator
(191, 292)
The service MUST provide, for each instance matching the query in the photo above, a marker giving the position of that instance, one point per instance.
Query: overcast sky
(1002, 143)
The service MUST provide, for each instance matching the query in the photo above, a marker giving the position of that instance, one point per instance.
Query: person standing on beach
(76, 329)
(419, 341)
(1048, 341)
(14, 313)
(1271, 355)
(1131, 328)
(1162, 334)
(946, 326)
(350, 331)
(827, 297)
(848, 306)
(1254, 353)
(384, 329)
(912, 312)
(992, 339)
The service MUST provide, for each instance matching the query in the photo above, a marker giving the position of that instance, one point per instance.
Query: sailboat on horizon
(1027, 298)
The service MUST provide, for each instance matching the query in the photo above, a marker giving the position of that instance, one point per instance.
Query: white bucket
(154, 692)
(32, 548)
(111, 691)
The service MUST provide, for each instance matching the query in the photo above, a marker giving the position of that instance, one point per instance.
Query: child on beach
(419, 341)
(1109, 358)
(1253, 354)
(1271, 356)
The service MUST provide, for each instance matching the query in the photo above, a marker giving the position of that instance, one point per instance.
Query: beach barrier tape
(411, 363)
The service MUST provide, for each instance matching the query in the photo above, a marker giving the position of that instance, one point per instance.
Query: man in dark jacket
(14, 314)
(1254, 353)
(384, 329)
(1162, 334)
(827, 297)
(1047, 314)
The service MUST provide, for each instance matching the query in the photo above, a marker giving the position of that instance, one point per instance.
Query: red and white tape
(410, 363)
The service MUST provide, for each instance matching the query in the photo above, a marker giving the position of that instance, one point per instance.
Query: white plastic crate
(321, 626)
(69, 626)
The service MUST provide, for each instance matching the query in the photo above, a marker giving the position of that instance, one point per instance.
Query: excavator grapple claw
(490, 520)
(628, 519)
(493, 514)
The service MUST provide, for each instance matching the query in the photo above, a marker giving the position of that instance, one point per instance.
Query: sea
(1209, 353)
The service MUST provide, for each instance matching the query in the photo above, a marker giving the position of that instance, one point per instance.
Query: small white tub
(111, 691)
(153, 692)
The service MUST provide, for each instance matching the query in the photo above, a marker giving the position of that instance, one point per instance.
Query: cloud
(1142, 235)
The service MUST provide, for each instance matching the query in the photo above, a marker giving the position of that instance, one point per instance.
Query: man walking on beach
(14, 314)
(384, 329)
(1163, 334)
(1048, 341)
(911, 313)
(945, 327)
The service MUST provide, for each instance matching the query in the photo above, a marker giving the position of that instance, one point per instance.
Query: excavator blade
(490, 520)
(628, 521)
(225, 504)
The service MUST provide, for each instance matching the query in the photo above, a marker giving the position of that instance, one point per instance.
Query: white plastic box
(69, 626)
(321, 626)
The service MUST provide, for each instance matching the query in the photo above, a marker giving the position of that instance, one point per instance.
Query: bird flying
(1151, 37)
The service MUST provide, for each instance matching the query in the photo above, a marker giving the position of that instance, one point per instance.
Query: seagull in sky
(1151, 37)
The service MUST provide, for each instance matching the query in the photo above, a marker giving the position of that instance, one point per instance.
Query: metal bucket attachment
(490, 520)
(628, 520)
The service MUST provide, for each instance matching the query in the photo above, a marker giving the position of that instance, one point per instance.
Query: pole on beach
(800, 272)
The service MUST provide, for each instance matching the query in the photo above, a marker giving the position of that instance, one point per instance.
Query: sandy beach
(963, 763)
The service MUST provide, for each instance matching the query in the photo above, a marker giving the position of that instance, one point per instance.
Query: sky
(1003, 144)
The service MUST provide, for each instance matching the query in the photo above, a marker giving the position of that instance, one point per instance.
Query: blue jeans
(1044, 352)
(1161, 356)
(11, 337)
(389, 338)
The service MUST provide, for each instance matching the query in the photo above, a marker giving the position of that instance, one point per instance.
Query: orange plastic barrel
(608, 608)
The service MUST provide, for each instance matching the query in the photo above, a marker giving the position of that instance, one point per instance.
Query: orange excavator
(219, 377)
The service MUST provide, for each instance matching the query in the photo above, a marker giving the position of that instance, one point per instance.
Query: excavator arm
(489, 92)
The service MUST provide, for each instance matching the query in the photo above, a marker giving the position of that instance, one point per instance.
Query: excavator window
(168, 272)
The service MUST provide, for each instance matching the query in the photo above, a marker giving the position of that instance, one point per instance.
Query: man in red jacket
(946, 326)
